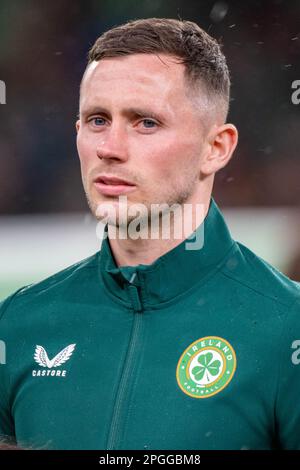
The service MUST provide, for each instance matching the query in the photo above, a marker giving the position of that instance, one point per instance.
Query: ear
(221, 143)
(77, 125)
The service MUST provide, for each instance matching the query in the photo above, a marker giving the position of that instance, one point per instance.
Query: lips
(112, 180)
(113, 186)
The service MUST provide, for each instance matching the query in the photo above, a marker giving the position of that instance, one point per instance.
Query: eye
(98, 121)
(149, 123)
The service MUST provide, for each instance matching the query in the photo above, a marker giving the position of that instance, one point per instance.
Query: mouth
(112, 186)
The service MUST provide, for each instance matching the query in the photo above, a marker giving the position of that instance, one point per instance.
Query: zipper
(137, 307)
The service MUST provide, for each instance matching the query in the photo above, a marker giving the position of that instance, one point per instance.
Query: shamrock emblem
(206, 365)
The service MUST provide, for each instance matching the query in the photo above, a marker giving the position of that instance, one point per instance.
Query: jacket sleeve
(287, 406)
(6, 421)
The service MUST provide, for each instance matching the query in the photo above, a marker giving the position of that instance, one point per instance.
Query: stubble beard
(176, 197)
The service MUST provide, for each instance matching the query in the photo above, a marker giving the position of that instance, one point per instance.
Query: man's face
(136, 115)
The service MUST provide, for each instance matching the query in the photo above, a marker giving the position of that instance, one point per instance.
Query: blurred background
(45, 223)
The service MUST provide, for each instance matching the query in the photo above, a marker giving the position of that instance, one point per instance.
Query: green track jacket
(199, 350)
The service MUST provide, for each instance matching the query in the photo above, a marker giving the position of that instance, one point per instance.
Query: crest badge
(206, 367)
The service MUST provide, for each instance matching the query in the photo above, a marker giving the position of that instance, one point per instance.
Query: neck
(131, 252)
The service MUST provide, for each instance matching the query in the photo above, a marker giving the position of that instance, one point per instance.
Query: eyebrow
(132, 111)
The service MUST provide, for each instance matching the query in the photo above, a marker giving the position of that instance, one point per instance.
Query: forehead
(159, 77)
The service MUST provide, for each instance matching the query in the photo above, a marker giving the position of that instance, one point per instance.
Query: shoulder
(259, 277)
(70, 277)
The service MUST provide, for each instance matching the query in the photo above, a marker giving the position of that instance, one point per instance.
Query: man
(149, 343)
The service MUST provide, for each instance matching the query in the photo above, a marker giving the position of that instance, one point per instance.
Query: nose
(113, 145)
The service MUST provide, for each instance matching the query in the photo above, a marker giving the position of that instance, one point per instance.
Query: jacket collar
(174, 273)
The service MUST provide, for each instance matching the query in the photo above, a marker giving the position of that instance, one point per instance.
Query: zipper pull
(134, 297)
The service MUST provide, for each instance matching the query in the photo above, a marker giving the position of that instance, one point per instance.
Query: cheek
(168, 158)
(85, 150)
